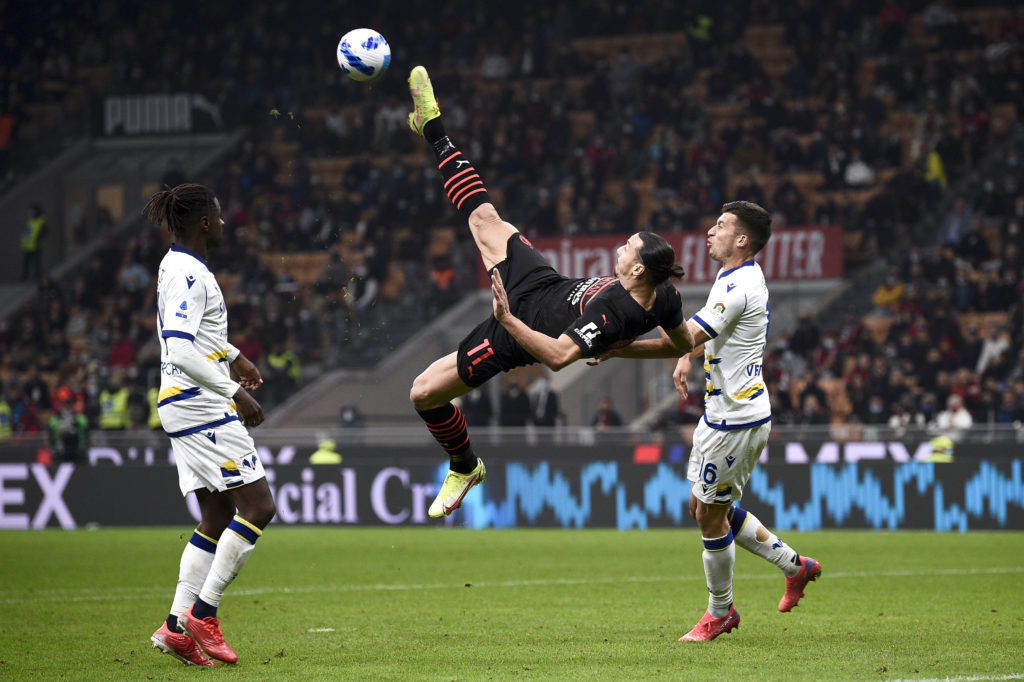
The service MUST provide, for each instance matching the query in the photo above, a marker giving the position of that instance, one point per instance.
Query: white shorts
(721, 461)
(221, 458)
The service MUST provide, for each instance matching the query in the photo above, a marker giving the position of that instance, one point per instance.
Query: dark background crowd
(895, 120)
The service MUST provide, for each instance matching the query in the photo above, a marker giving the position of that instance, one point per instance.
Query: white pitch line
(964, 678)
(82, 595)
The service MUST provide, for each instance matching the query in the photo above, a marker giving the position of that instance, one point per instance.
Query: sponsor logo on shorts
(729, 460)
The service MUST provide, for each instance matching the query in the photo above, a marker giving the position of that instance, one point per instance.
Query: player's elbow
(561, 359)
(556, 366)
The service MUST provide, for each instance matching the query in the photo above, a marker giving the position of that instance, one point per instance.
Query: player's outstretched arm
(672, 343)
(554, 353)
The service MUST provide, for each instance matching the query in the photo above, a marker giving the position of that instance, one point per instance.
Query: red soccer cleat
(709, 627)
(809, 570)
(206, 632)
(182, 647)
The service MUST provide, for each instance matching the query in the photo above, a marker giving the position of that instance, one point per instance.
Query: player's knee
(420, 394)
(261, 513)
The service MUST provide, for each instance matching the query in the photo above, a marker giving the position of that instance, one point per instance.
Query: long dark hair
(179, 208)
(659, 259)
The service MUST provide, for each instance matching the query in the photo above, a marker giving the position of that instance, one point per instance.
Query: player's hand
(249, 411)
(679, 376)
(248, 375)
(501, 308)
(604, 357)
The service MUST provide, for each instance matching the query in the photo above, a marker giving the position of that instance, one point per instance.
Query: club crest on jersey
(190, 280)
(719, 308)
(182, 311)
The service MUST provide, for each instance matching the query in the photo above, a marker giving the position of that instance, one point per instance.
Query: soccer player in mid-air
(205, 412)
(539, 315)
(732, 327)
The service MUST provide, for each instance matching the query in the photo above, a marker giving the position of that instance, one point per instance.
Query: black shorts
(489, 348)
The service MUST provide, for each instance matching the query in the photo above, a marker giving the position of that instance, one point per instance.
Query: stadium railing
(133, 444)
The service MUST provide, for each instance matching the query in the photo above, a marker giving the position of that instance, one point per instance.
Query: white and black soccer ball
(363, 54)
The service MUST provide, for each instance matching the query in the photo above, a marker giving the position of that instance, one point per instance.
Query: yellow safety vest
(33, 230)
(287, 360)
(325, 457)
(6, 427)
(942, 450)
(114, 410)
(154, 416)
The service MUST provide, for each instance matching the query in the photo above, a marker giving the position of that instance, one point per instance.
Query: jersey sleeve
(722, 311)
(596, 330)
(181, 305)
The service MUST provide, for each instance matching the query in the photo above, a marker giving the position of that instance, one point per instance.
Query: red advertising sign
(793, 253)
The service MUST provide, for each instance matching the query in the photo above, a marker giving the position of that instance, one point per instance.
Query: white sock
(233, 550)
(719, 557)
(751, 535)
(196, 559)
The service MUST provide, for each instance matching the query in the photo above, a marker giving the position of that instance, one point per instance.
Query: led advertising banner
(585, 487)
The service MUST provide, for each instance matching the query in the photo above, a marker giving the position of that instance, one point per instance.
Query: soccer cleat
(710, 627)
(809, 570)
(425, 106)
(206, 632)
(454, 488)
(182, 647)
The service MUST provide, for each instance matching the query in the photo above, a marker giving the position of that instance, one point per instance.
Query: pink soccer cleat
(809, 570)
(709, 627)
(182, 647)
(206, 632)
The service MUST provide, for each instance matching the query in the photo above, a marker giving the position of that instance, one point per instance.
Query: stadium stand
(340, 246)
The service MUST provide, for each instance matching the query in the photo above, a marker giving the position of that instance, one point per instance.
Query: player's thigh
(438, 384)
(217, 509)
(721, 461)
(490, 233)
(255, 502)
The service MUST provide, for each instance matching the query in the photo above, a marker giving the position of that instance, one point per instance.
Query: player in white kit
(727, 443)
(205, 412)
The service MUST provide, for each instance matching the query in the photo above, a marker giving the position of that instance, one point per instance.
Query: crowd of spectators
(711, 119)
(942, 346)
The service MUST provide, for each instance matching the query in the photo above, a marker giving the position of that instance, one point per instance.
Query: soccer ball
(363, 54)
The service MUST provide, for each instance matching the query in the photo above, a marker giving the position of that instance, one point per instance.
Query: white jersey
(736, 319)
(191, 306)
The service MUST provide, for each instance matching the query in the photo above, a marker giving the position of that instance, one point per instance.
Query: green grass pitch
(455, 604)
